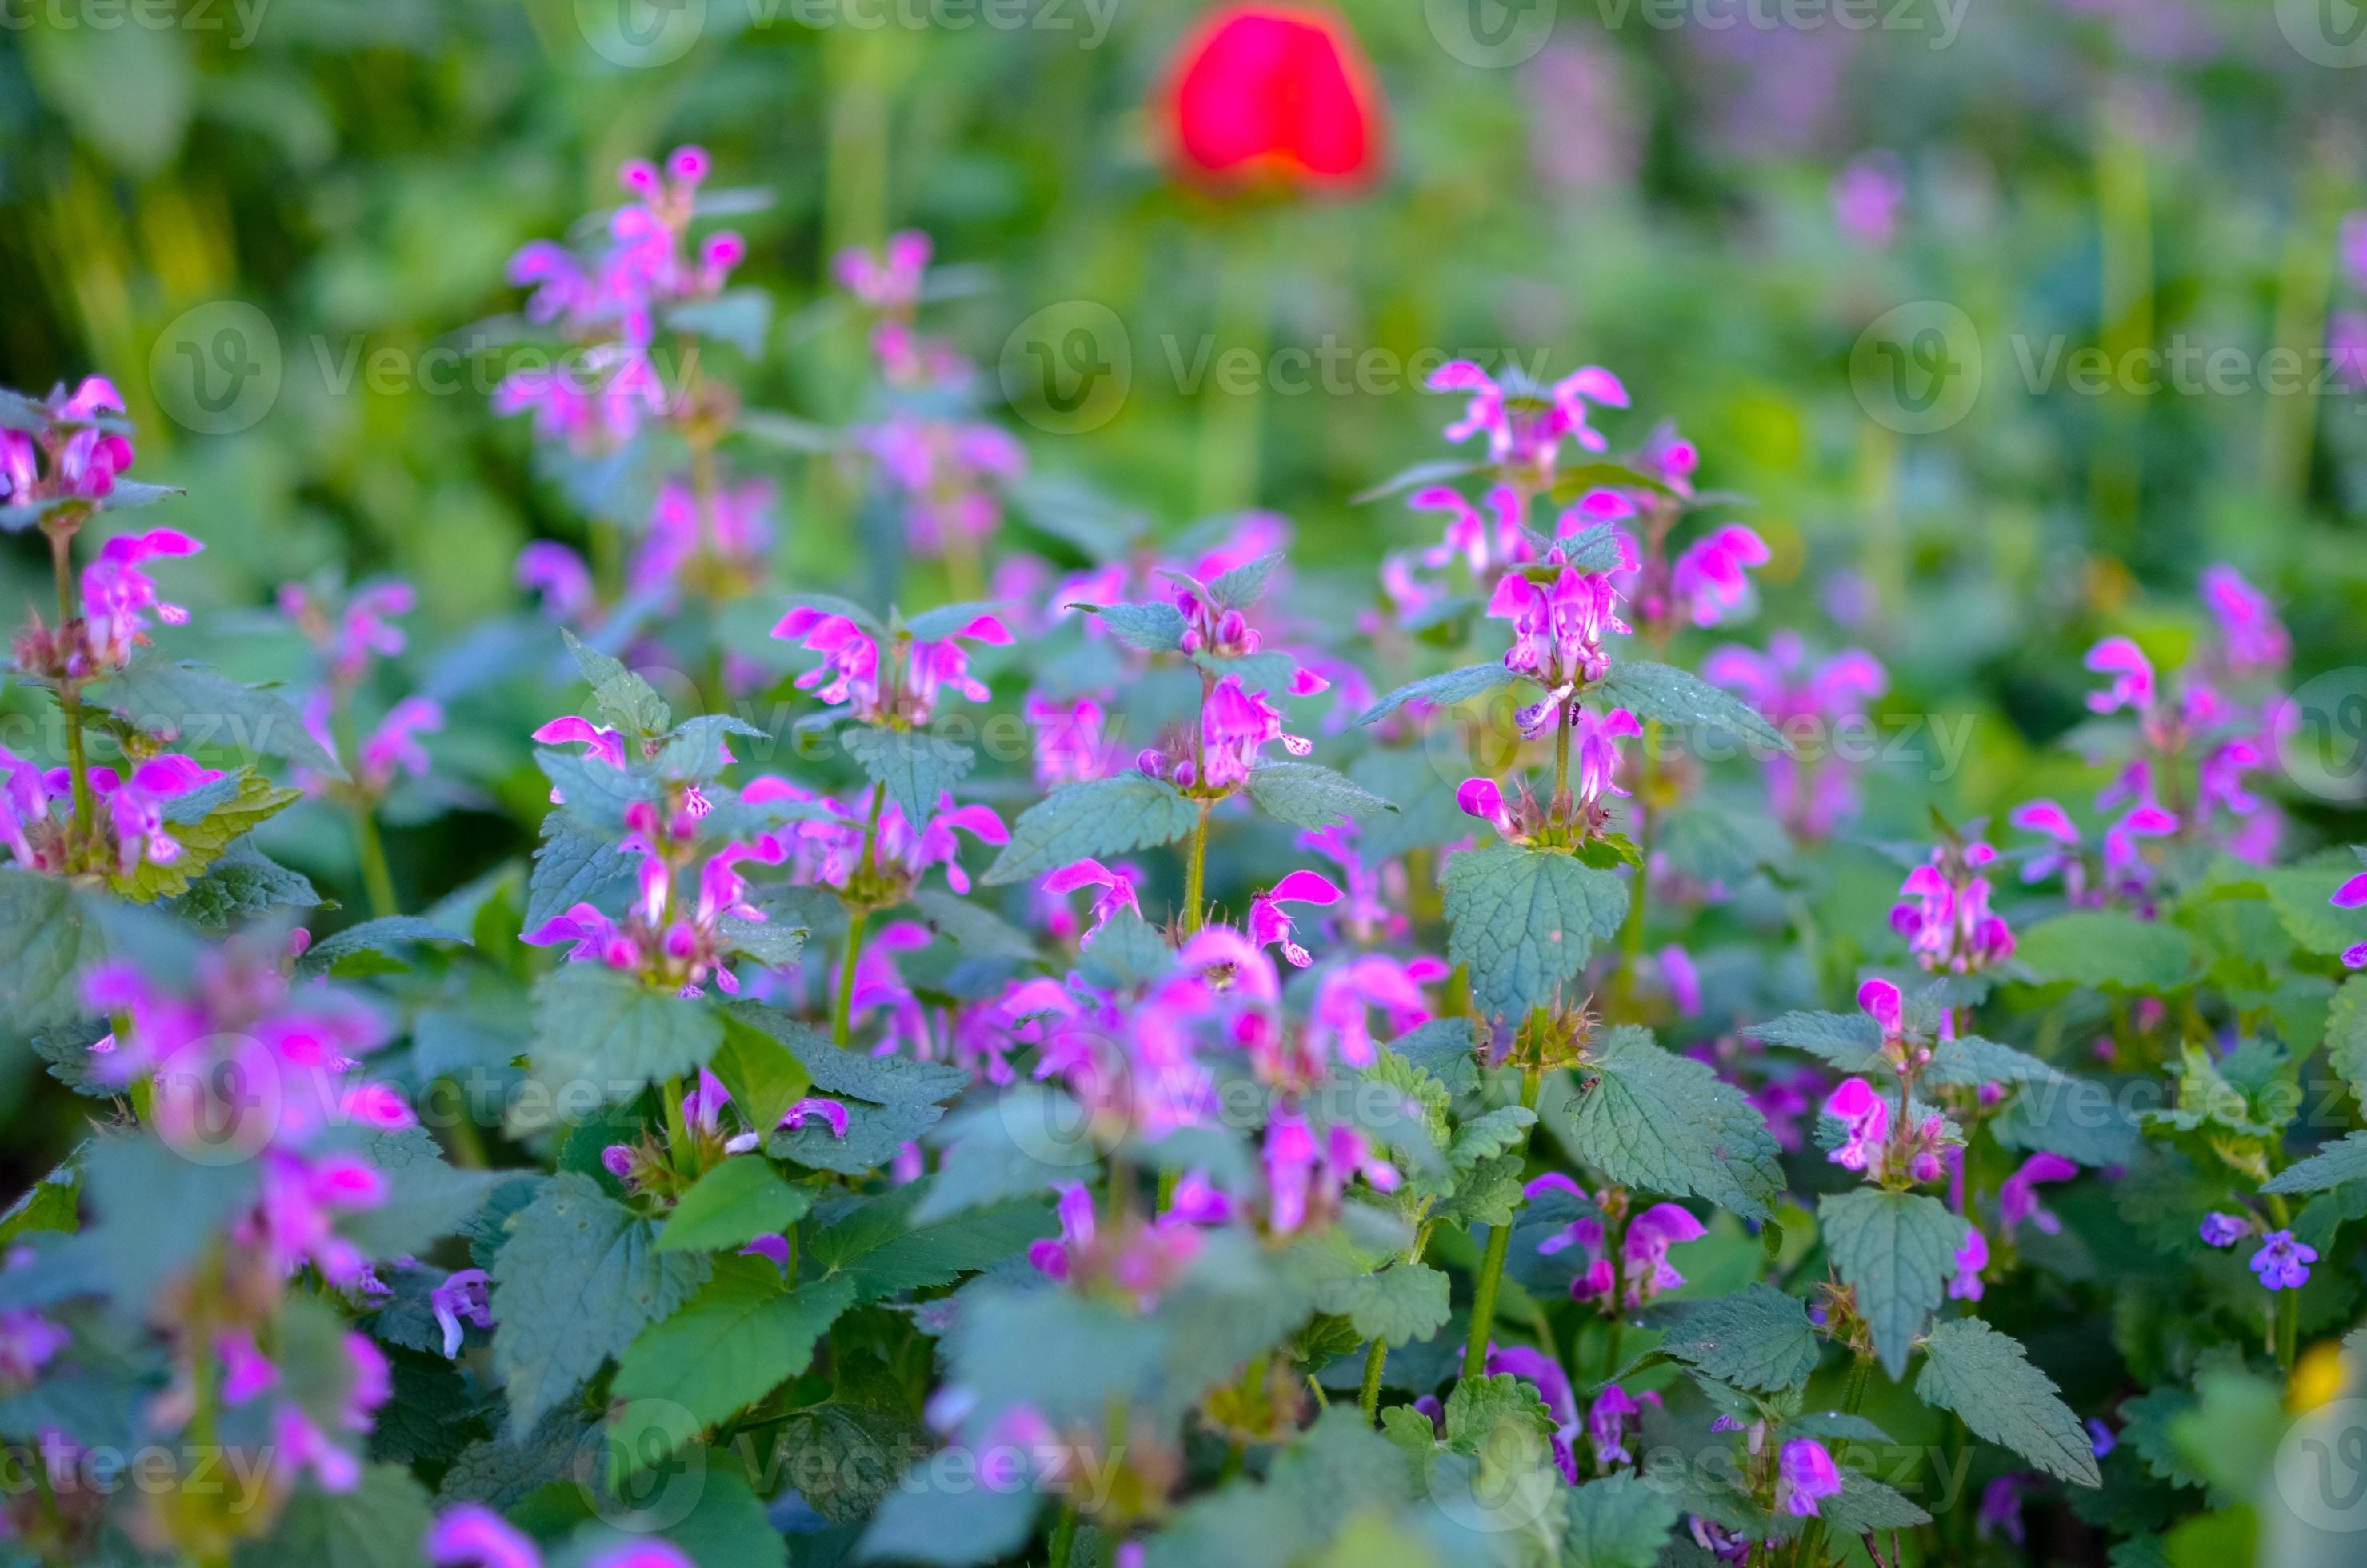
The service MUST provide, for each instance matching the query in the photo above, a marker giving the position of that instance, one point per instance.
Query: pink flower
(116, 593)
(1606, 1424)
(1866, 1116)
(2254, 640)
(1484, 544)
(1484, 799)
(394, 747)
(2132, 673)
(1526, 427)
(558, 575)
(1268, 922)
(2017, 1197)
(1708, 579)
(1805, 1473)
(1972, 1256)
(1070, 744)
(462, 1298)
(1644, 1251)
(1553, 1386)
(1557, 631)
(135, 807)
(906, 693)
(1947, 923)
(833, 1114)
(1235, 725)
(1118, 894)
(471, 1535)
(2351, 894)
(1867, 195)
(1597, 755)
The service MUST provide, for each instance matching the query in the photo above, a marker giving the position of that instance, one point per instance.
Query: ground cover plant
(877, 998)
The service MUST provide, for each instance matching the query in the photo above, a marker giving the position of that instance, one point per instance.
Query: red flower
(1273, 94)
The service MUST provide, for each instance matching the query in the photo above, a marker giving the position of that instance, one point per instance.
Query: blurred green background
(1648, 185)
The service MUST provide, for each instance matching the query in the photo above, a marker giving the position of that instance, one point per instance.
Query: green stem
(378, 878)
(1561, 754)
(841, 1016)
(85, 804)
(1492, 1265)
(1369, 1398)
(678, 1149)
(1195, 874)
(1064, 1537)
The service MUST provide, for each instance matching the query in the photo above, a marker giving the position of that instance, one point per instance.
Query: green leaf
(570, 868)
(1897, 1249)
(243, 883)
(764, 1079)
(2346, 1034)
(2333, 1165)
(1490, 1135)
(373, 938)
(1684, 699)
(916, 769)
(428, 1199)
(1621, 1521)
(885, 1080)
(1126, 954)
(379, 1524)
(1525, 921)
(936, 625)
(1016, 1147)
(1971, 1062)
(878, 1249)
(1404, 1302)
(831, 604)
(1241, 588)
(234, 806)
(1851, 1042)
(1435, 471)
(625, 702)
(1157, 627)
(740, 1338)
(978, 933)
(576, 1282)
(1306, 795)
(1986, 1377)
(1668, 1123)
(591, 793)
(1864, 1506)
(1442, 690)
(731, 1205)
(1479, 1406)
(1098, 818)
(1757, 1338)
(848, 1456)
(2108, 950)
(194, 708)
(602, 1027)
(740, 317)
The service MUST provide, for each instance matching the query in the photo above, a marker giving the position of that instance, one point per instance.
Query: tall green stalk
(1492, 1265)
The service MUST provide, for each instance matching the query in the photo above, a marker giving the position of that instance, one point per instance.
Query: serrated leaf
(2333, 1165)
(570, 868)
(388, 933)
(592, 793)
(379, 1524)
(1851, 1042)
(1241, 588)
(194, 708)
(576, 1282)
(936, 625)
(1668, 1123)
(427, 1201)
(1525, 921)
(1435, 471)
(1442, 690)
(1684, 699)
(241, 884)
(1491, 1133)
(625, 702)
(1757, 1338)
(979, 933)
(1986, 1377)
(1479, 1406)
(884, 1080)
(879, 1251)
(239, 804)
(2346, 1034)
(2107, 949)
(1865, 1505)
(916, 768)
(1402, 1302)
(1126, 953)
(602, 1027)
(1971, 1062)
(1899, 1250)
(831, 604)
(762, 1075)
(47, 939)
(1306, 795)
(1098, 818)
(739, 1339)
(1016, 1147)
(731, 1205)
(1620, 1521)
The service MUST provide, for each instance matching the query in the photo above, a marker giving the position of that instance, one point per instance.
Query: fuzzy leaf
(879, 1252)
(1681, 698)
(1897, 1249)
(625, 702)
(1865, 1505)
(1851, 1042)
(570, 868)
(245, 882)
(1757, 1338)
(1986, 1377)
(372, 939)
(946, 621)
(602, 1027)
(1155, 627)
(739, 1339)
(1306, 795)
(47, 938)
(1442, 690)
(2333, 1165)
(379, 1524)
(1972, 1061)
(1525, 921)
(1621, 1521)
(194, 708)
(731, 1205)
(247, 800)
(1098, 818)
(1241, 588)
(979, 933)
(2109, 951)
(1404, 1302)
(577, 1280)
(1669, 1124)
(916, 769)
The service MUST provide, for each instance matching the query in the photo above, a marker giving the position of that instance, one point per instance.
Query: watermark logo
(2326, 32)
(1491, 34)
(640, 35)
(2321, 733)
(1067, 368)
(646, 1470)
(216, 369)
(1917, 368)
(2321, 1468)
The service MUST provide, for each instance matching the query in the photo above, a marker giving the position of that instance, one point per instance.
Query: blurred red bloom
(1274, 94)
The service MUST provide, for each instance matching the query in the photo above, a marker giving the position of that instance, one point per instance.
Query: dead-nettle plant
(1331, 1121)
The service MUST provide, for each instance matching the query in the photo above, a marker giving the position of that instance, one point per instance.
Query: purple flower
(558, 575)
(1524, 428)
(833, 1114)
(2351, 895)
(1972, 1256)
(1269, 924)
(1607, 1421)
(116, 593)
(1118, 895)
(2101, 1440)
(2223, 1230)
(2253, 638)
(1644, 1250)
(1946, 921)
(462, 1298)
(1235, 725)
(2017, 1197)
(2282, 1263)
(2133, 678)
(2001, 1511)
(1708, 580)
(1805, 1473)
(1867, 195)
(471, 1535)
(1865, 1117)
(1553, 1386)
(906, 692)
(1811, 796)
